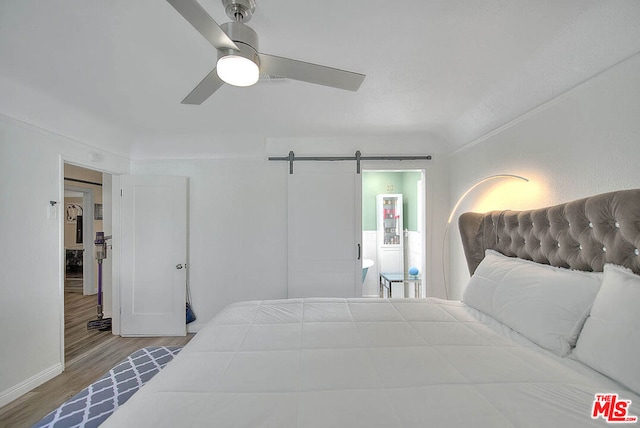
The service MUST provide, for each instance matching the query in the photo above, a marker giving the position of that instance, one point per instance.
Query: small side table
(387, 280)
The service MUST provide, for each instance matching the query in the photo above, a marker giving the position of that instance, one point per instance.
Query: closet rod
(358, 157)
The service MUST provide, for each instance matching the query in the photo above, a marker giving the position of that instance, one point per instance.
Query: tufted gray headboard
(583, 234)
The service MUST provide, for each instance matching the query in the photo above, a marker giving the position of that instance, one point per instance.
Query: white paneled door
(153, 219)
(325, 233)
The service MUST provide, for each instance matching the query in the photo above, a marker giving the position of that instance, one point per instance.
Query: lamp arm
(453, 211)
(484, 180)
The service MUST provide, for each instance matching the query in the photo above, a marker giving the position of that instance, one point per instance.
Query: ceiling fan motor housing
(244, 37)
(239, 10)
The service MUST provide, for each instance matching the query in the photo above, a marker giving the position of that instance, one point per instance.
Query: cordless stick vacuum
(101, 324)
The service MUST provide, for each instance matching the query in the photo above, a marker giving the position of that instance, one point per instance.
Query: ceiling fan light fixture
(237, 70)
(240, 61)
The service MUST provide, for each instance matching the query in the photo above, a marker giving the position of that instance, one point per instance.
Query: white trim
(427, 208)
(64, 159)
(195, 327)
(61, 258)
(25, 386)
(44, 131)
(115, 254)
(205, 156)
(541, 107)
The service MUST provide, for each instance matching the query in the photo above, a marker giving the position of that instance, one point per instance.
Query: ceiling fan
(239, 61)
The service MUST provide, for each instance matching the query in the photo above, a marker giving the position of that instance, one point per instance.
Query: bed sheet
(366, 362)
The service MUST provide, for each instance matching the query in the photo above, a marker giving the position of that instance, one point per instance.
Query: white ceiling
(448, 70)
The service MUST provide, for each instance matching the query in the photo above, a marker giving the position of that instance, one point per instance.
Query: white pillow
(546, 304)
(610, 339)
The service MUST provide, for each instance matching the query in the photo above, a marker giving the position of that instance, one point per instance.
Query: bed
(545, 335)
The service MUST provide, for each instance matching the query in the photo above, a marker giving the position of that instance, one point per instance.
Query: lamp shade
(237, 70)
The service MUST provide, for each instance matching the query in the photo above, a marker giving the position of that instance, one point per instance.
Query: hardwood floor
(88, 355)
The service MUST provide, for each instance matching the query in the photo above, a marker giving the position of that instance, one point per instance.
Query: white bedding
(366, 362)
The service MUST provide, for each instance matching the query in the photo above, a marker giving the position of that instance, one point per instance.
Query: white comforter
(365, 363)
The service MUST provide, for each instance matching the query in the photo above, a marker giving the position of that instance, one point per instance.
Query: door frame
(427, 209)
(62, 160)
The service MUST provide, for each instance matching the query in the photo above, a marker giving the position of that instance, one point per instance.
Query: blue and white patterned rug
(91, 406)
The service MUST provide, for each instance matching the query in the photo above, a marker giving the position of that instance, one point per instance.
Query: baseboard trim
(194, 327)
(23, 387)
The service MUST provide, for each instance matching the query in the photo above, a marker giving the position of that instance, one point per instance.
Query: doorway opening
(78, 229)
(86, 200)
(393, 232)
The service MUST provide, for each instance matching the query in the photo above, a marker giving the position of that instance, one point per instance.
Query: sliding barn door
(153, 219)
(324, 209)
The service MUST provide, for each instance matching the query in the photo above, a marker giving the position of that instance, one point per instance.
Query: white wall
(31, 257)
(238, 215)
(583, 143)
(237, 230)
(35, 107)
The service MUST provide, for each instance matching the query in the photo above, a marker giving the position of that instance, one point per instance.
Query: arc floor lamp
(453, 211)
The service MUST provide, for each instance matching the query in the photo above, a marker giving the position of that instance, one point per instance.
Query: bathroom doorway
(398, 247)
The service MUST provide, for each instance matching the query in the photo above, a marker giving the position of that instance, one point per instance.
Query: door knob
(179, 266)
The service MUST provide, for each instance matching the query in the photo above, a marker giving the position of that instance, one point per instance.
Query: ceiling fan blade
(205, 89)
(308, 72)
(204, 23)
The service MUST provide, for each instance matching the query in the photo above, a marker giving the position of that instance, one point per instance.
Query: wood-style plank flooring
(88, 355)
